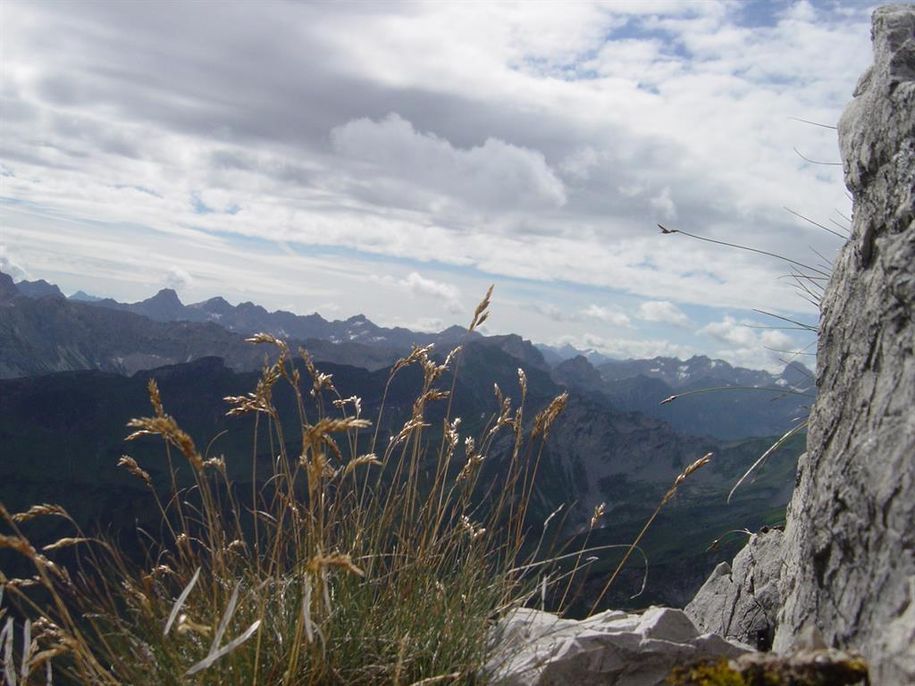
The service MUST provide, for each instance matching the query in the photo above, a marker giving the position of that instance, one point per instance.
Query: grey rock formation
(741, 601)
(611, 648)
(850, 534)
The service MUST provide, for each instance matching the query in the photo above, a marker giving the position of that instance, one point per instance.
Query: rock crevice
(740, 601)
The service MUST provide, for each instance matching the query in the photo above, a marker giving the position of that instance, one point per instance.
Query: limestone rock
(741, 601)
(850, 534)
(611, 648)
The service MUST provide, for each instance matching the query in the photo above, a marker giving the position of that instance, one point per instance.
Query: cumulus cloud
(177, 279)
(662, 311)
(447, 293)
(627, 348)
(9, 265)
(426, 324)
(729, 330)
(663, 204)
(495, 175)
(751, 346)
(606, 314)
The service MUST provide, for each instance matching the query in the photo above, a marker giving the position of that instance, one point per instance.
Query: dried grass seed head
(481, 313)
(546, 417)
(130, 464)
(43, 510)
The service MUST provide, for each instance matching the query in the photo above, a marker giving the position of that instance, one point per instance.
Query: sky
(394, 159)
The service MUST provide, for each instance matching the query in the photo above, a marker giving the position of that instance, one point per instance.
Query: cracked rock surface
(740, 601)
(610, 648)
(850, 534)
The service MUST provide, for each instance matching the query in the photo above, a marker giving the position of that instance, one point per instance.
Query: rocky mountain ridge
(248, 318)
(711, 396)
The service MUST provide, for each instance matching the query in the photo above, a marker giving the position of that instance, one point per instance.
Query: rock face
(741, 601)
(850, 535)
(611, 648)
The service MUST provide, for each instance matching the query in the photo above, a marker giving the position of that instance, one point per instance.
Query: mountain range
(698, 395)
(42, 331)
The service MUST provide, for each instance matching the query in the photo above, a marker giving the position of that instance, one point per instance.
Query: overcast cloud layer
(394, 159)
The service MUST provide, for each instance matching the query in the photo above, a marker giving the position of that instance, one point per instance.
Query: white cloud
(495, 175)
(662, 311)
(729, 330)
(177, 279)
(663, 204)
(447, 293)
(579, 163)
(609, 315)
(10, 265)
(551, 311)
(627, 348)
(425, 324)
(749, 345)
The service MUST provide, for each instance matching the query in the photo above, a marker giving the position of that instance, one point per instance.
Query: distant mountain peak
(39, 289)
(578, 365)
(577, 372)
(8, 289)
(82, 296)
(216, 305)
(166, 295)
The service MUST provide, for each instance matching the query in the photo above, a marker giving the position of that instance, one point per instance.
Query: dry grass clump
(355, 561)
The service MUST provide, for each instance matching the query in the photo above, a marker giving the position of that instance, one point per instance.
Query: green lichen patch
(807, 668)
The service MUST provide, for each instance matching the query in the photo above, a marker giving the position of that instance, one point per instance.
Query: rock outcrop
(849, 549)
(843, 572)
(740, 601)
(611, 648)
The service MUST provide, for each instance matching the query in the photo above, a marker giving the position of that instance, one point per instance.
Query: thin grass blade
(226, 618)
(6, 638)
(176, 608)
(26, 650)
(762, 458)
(225, 650)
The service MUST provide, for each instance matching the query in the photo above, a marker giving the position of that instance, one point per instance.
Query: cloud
(663, 204)
(552, 312)
(662, 311)
(494, 175)
(425, 324)
(9, 265)
(447, 293)
(751, 346)
(729, 330)
(177, 279)
(627, 348)
(568, 314)
(609, 315)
